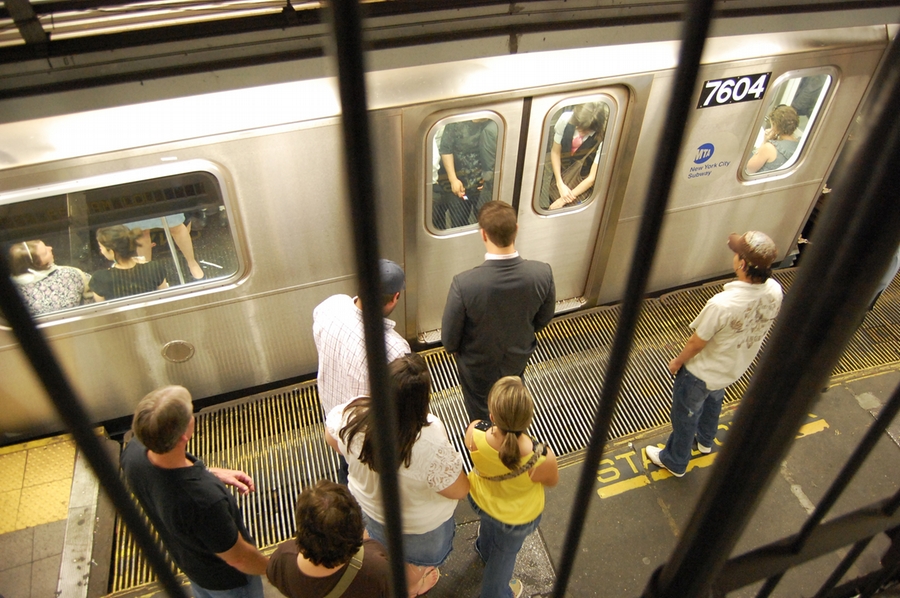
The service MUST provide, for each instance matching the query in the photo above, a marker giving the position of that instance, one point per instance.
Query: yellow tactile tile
(12, 470)
(9, 509)
(49, 463)
(44, 503)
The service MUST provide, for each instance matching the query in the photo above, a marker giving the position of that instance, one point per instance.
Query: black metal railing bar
(763, 562)
(853, 245)
(361, 198)
(694, 38)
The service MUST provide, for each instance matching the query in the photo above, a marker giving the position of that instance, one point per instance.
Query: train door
(469, 156)
(566, 181)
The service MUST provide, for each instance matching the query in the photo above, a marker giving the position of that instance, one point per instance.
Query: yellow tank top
(515, 501)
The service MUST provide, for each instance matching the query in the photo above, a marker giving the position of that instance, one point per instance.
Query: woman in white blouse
(431, 475)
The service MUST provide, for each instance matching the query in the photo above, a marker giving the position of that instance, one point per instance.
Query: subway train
(255, 176)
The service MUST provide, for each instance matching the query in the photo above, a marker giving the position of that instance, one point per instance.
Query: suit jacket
(492, 314)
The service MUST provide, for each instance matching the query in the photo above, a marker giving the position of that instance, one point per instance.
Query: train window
(789, 118)
(462, 167)
(574, 135)
(113, 242)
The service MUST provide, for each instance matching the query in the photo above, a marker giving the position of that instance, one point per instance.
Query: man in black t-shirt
(196, 516)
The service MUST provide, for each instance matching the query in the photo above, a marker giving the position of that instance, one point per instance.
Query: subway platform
(48, 506)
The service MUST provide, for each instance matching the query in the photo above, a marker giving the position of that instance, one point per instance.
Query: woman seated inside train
(779, 142)
(181, 234)
(129, 274)
(46, 287)
(575, 153)
(431, 475)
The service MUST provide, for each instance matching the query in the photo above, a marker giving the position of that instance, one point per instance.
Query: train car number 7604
(747, 88)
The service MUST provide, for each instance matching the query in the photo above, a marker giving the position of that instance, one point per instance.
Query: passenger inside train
(575, 153)
(468, 151)
(45, 286)
(780, 141)
(181, 234)
(128, 275)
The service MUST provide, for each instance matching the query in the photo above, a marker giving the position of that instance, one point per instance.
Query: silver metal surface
(281, 169)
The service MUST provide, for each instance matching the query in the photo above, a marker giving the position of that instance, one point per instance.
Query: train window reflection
(787, 123)
(463, 167)
(575, 134)
(118, 241)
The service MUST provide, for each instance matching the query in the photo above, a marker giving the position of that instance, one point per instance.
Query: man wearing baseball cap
(727, 335)
(338, 332)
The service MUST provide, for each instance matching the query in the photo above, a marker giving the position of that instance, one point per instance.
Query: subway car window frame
(185, 208)
(789, 86)
(545, 175)
(489, 183)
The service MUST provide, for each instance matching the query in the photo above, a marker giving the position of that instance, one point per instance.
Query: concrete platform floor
(633, 524)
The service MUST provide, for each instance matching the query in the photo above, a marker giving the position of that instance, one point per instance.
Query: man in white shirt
(727, 335)
(340, 340)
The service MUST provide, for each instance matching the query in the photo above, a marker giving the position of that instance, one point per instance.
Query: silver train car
(255, 175)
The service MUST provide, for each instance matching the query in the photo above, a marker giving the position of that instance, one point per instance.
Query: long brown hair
(411, 386)
(512, 410)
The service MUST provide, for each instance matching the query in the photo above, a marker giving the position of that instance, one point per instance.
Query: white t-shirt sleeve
(709, 321)
(560, 127)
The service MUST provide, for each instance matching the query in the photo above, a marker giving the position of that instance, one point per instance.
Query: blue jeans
(498, 544)
(253, 589)
(695, 412)
(426, 550)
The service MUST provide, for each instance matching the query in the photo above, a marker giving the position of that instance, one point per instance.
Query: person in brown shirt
(330, 548)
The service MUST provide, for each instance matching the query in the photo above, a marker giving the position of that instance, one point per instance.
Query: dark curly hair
(329, 524)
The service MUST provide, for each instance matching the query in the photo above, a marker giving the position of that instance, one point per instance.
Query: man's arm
(245, 557)
(233, 477)
(454, 319)
(694, 345)
(548, 308)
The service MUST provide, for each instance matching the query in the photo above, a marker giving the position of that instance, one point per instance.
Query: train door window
(574, 134)
(93, 242)
(790, 115)
(462, 168)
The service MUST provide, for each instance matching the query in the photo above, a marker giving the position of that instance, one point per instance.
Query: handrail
(361, 198)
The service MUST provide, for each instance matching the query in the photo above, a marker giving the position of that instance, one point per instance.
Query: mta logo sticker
(704, 153)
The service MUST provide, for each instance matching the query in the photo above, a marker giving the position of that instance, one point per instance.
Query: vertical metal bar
(769, 586)
(695, 29)
(173, 250)
(842, 568)
(873, 435)
(859, 233)
(347, 23)
(76, 419)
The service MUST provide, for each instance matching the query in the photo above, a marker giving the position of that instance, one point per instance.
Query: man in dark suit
(494, 310)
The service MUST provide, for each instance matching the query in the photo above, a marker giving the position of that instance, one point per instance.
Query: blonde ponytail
(512, 410)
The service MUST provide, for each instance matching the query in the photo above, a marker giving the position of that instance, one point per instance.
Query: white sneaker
(517, 588)
(653, 454)
(703, 448)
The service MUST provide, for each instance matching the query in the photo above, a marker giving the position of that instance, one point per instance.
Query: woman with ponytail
(507, 483)
(128, 275)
